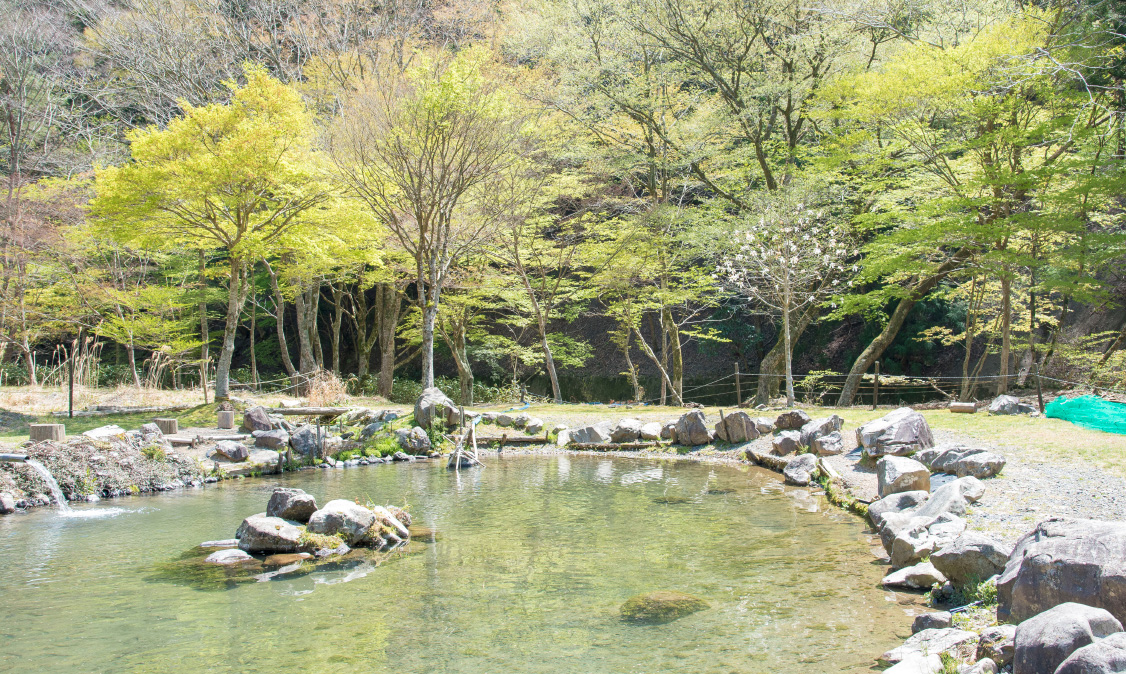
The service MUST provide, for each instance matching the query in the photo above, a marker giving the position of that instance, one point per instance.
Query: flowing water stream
(528, 564)
(56, 492)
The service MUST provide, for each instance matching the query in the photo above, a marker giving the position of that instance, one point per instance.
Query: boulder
(393, 520)
(895, 474)
(786, 442)
(1045, 640)
(627, 430)
(505, 419)
(534, 426)
(764, 426)
(962, 461)
(816, 428)
(792, 420)
(972, 557)
(829, 444)
(304, 441)
(1007, 405)
(668, 431)
(691, 430)
(257, 419)
(359, 416)
(800, 470)
(597, 434)
(901, 432)
(1103, 656)
(520, 421)
(936, 620)
(894, 503)
(912, 544)
(996, 643)
(371, 429)
(291, 504)
(562, 438)
(929, 642)
(228, 557)
(431, 406)
(953, 497)
(982, 666)
(414, 440)
(151, 433)
(1065, 560)
(917, 663)
(232, 451)
(271, 439)
(660, 607)
(7, 503)
(225, 543)
(919, 577)
(262, 533)
(350, 521)
(401, 457)
(736, 428)
(489, 418)
(767, 460)
(651, 431)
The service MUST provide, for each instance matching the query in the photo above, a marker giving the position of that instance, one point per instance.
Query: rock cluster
(961, 461)
(901, 432)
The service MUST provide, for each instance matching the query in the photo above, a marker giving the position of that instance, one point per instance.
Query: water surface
(532, 559)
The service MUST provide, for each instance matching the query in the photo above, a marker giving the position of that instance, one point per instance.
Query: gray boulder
(792, 420)
(962, 461)
(505, 419)
(764, 426)
(982, 666)
(815, 428)
(232, 451)
(800, 470)
(228, 557)
(291, 504)
(1065, 560)
(996, 643)
(371, 429)
(829, 444)
(1045, 640)
(257, 419)
(350, 521)
(651, 431)
(895, 474)
(7, 503)
(520, 421)
(534, 426)
(917, 663)
(919, 577)
(901, 432)
(271, 439)
(971, 557)
(414, 440)
(1008, 405)
(736, 428)
(929, 642)
(1101, 657)
(627, 430)
(304, 441)
(668, 431)
(895, 503)
(691, 430)
(596, 434)
(936, 620)
(262, 533)
(432, 405)
(953, 497)
(786, 442)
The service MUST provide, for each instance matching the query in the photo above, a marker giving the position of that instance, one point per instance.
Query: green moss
(661, 606)
(311, 541)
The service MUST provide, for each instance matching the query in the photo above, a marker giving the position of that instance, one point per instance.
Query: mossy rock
(662, 606)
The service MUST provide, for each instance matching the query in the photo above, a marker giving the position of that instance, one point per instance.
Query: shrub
(325, 389)
(154, 453)
(383, 445)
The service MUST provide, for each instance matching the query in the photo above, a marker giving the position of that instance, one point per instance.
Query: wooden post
(1039, 390)
(876, 387)
(168, 426)
(738, 388)
(41, 432)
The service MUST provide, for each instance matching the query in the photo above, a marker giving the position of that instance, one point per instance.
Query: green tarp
(1089, 412)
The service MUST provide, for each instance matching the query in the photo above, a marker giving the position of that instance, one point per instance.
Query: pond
(531, 559)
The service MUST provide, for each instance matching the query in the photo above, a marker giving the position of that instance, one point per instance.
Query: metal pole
(738, 388)
(876, 387)
(1039, 390)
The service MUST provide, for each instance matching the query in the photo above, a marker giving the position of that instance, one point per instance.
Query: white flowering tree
(785, 259)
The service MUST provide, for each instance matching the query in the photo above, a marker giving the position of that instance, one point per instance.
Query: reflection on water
(520, 567)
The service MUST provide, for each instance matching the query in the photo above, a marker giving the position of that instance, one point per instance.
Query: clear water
(532, 559)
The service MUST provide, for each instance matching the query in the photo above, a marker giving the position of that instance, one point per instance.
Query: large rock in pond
(737, 428)
(1101, 657)
(595, 434)
(257, 419)
(291, 504)
(661, 607)
(691, 430)
(895, 474)
(305, 442)
(792, 420)
(1065, 560)
(1047, 639)
(432, 405)
(413, 440)
(919, 577)
(232, 451)
(972, 557)
(350, 521)
(928, 642)
(901, 432)
(627, 430)
(786, 442)
(262, 533)
(229, 557)
(800, 470)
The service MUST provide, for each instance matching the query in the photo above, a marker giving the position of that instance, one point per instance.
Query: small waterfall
(56, 492)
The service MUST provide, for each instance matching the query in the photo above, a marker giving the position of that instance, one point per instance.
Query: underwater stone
(661, 606)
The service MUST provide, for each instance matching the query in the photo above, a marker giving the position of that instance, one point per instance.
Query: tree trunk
(253, 336)
(235, 300)
(429, 317)
(389, 305)
(773, 364)
(337, 321)
(204, 332)
(876, 348)
(1006, 332)
(676, 392)
(677, 353)
(279, 313)
(306, 324)
(789, 354)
